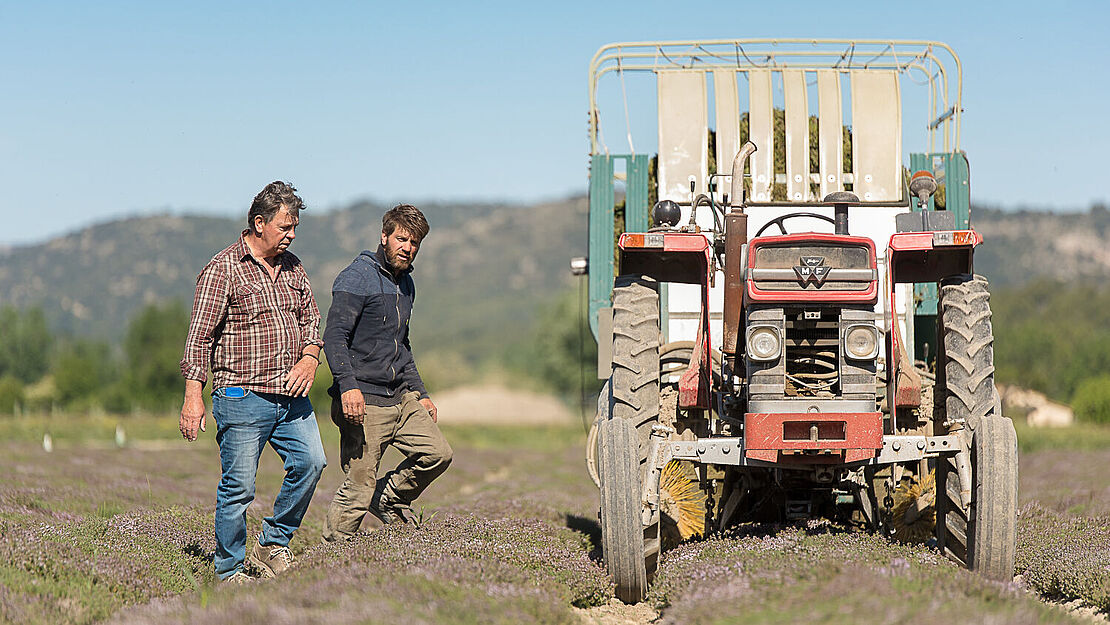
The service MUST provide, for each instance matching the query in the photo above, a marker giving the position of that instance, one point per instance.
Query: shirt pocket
(249, 297)
(293, 293)
(295, 281)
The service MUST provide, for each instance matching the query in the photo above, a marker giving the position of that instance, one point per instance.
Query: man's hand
(192, 411)
(430, 407)
(299, 379)
(354, 406)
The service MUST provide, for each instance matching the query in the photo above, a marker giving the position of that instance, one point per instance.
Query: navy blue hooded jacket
(367, 335)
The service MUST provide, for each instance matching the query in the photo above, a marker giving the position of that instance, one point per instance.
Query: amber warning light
(954, 237)
(652, 239)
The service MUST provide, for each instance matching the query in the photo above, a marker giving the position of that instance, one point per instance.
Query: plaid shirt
(248, 328)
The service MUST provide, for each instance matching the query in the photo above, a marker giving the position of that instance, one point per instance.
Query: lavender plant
(1065, 557)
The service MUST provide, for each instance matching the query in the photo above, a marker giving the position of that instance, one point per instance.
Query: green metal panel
(601, 235)
(636, 199)
(602, 228)
(958, 188)
(952, 171)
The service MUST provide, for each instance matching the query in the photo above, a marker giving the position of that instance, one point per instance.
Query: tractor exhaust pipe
(738, 163)
(736, 235)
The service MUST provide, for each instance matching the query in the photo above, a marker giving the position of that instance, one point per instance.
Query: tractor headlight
(861, 342)
(764, 343)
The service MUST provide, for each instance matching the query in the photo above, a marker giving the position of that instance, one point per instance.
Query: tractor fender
(931, 256)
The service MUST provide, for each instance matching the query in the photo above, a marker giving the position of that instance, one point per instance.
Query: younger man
(378, 398)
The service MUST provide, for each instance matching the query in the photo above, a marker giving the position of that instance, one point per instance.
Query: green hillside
(480, 275)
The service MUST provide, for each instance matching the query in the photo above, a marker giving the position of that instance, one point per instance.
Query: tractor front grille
(811, 364)
(812, 354)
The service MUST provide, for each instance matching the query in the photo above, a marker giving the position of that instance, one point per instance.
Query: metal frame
(930, 59)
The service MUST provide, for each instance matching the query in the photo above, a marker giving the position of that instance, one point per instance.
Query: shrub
(1091, 401)
(11, 394)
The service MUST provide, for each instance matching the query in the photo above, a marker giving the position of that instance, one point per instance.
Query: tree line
(43, 372)
(1049, 336)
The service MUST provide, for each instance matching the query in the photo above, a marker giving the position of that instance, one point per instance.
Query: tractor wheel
(983, 536)
(623, 542)
(634, 402)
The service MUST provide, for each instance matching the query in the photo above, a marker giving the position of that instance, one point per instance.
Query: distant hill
(1022, 246)
(481, 275)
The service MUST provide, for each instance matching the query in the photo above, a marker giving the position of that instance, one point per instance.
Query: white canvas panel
(876, 135)
(761, 133)
(683, 133)
(727, 102)
(687, 330)
(830, 158)
(797, 135)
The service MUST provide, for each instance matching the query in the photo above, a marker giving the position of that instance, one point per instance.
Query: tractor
(794, 330)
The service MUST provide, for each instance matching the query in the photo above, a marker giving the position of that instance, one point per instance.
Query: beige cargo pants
(408, 427)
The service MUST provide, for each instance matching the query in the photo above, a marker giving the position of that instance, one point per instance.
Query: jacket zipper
(396, 343)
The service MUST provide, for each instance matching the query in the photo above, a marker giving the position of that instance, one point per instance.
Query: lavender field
(92, 533)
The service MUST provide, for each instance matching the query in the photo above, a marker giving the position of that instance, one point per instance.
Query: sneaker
(393, 513)
(238, 577)
(270, 560)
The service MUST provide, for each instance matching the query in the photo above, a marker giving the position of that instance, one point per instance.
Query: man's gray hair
(270, 200)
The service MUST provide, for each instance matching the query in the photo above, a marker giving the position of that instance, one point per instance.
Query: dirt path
(617, 613)
(497, 405)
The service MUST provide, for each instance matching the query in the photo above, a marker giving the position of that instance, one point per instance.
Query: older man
(378, 396)
(256, 324)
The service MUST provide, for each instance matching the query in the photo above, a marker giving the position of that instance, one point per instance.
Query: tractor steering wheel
(778, 221)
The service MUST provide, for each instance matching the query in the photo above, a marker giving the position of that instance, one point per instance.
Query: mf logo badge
(812, 269)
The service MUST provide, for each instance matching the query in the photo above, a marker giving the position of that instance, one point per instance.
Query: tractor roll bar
(930, 58)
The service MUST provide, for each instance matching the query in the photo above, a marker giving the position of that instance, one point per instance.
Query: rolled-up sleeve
(210, 304)
(309, 316)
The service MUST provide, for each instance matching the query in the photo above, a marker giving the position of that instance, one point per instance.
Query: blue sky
(116, 108)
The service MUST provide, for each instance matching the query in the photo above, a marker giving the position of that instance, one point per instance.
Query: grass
(1078, 437)
(90, 531)
(101, 430)
(538, 438)
(89, 428)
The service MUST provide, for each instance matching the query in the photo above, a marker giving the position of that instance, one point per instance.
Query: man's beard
(395, 262)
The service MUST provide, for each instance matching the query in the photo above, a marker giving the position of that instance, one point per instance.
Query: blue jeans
(245, 424)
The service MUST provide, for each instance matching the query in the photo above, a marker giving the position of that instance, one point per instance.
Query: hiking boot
(237, 578)
(270, 560)
(393, 512)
